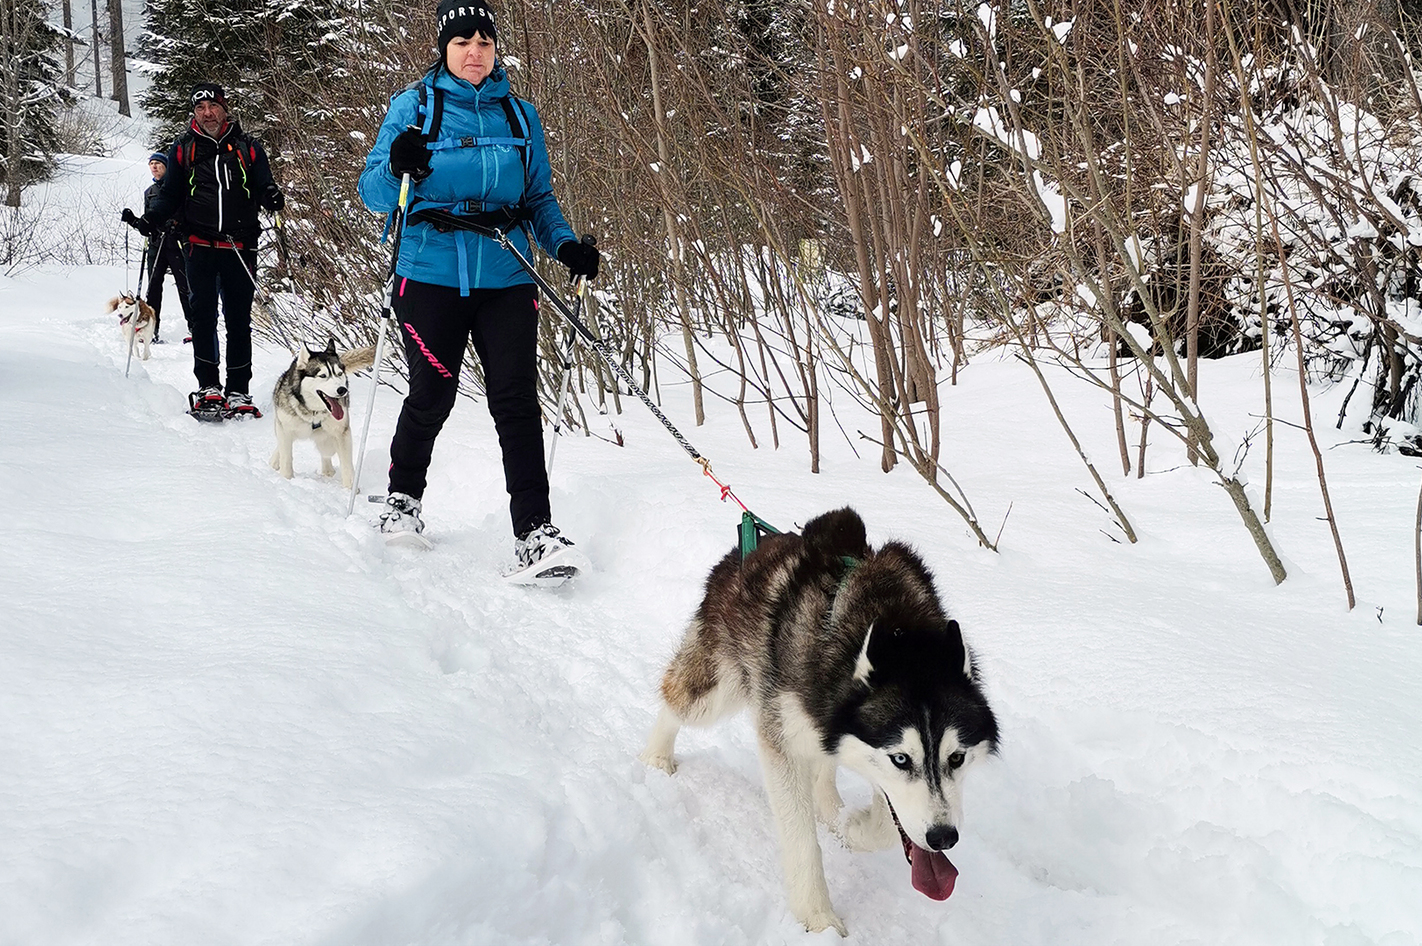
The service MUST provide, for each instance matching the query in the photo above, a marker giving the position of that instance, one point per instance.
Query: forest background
(866, 197)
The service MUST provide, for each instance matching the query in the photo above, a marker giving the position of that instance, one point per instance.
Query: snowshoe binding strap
(207, 405)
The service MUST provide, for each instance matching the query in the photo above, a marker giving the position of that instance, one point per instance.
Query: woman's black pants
(437, 322)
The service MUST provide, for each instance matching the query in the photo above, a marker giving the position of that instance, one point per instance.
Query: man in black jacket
(165, 253)
(217, 179)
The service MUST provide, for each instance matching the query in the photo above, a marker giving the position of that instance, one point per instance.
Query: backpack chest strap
(477, 141)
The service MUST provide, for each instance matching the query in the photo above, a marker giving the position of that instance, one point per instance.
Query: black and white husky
(845, 656)
(312, 401)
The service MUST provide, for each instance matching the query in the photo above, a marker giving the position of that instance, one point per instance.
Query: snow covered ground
(229, 714)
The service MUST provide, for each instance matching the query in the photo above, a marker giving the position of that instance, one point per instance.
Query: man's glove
(580, 258)
(138, 223)
(275, 200)
(410, 154)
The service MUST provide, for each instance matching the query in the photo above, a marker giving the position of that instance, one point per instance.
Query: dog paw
(659, 760)
(820, 920)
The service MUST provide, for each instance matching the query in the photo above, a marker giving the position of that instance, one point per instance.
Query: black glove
(141, 224)
(410, 154)
(274, 199)
(580, 258)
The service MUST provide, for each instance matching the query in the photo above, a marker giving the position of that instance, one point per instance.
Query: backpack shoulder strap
(518, 128)
(183, 147)
(430, 111)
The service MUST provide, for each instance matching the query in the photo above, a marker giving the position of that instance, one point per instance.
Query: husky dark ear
(862, 666)
(956, 633)
(330, 345)
(840, 532)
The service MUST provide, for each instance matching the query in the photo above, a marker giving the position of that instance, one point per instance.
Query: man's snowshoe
(208, 405)
(546, 557)
(401, 524)
(240, 406)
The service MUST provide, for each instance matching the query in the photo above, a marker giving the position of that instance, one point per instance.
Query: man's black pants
(437, 322)
(212, 272)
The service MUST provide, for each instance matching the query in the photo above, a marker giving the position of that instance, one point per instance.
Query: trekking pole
(142, 261)
(580, 288)
(265, 297)
(387, 311)
(133, 336)
(580, 327)
(751, 524)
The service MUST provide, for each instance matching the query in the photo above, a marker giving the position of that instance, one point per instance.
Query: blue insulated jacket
(474, 166)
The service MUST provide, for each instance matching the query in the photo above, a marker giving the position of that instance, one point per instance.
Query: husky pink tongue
(933, 874)
(334, 406)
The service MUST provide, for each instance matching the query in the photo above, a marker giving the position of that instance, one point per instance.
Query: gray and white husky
(312, 401)
(845, 656)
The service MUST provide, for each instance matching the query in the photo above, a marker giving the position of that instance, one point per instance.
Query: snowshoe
(401, 524)
(240, 406)
(546, 557)
(208, 405)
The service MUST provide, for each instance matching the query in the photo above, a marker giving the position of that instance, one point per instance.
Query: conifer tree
(30, 94)
(266, 55)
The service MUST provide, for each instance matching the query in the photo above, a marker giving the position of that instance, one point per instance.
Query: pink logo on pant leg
(429, 355)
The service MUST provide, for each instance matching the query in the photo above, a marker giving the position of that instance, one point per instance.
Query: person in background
(165, 254)
(217, 180)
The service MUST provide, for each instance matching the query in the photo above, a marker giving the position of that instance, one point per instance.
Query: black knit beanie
(464, 18)
(208, 91)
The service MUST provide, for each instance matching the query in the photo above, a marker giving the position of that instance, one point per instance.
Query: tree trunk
(673, 233)
(98, 69)
(1197, 220)
(69, 43)
(118, 59)
(10, 110)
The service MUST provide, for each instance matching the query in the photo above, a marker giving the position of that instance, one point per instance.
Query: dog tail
(358, 359)
(837, 533)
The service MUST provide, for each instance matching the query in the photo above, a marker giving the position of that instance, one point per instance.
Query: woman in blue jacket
(474, 150)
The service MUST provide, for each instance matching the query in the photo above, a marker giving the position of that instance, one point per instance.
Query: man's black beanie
(464, 18)
(210, 92)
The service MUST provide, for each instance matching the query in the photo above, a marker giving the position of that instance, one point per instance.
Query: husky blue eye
(901, 760)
